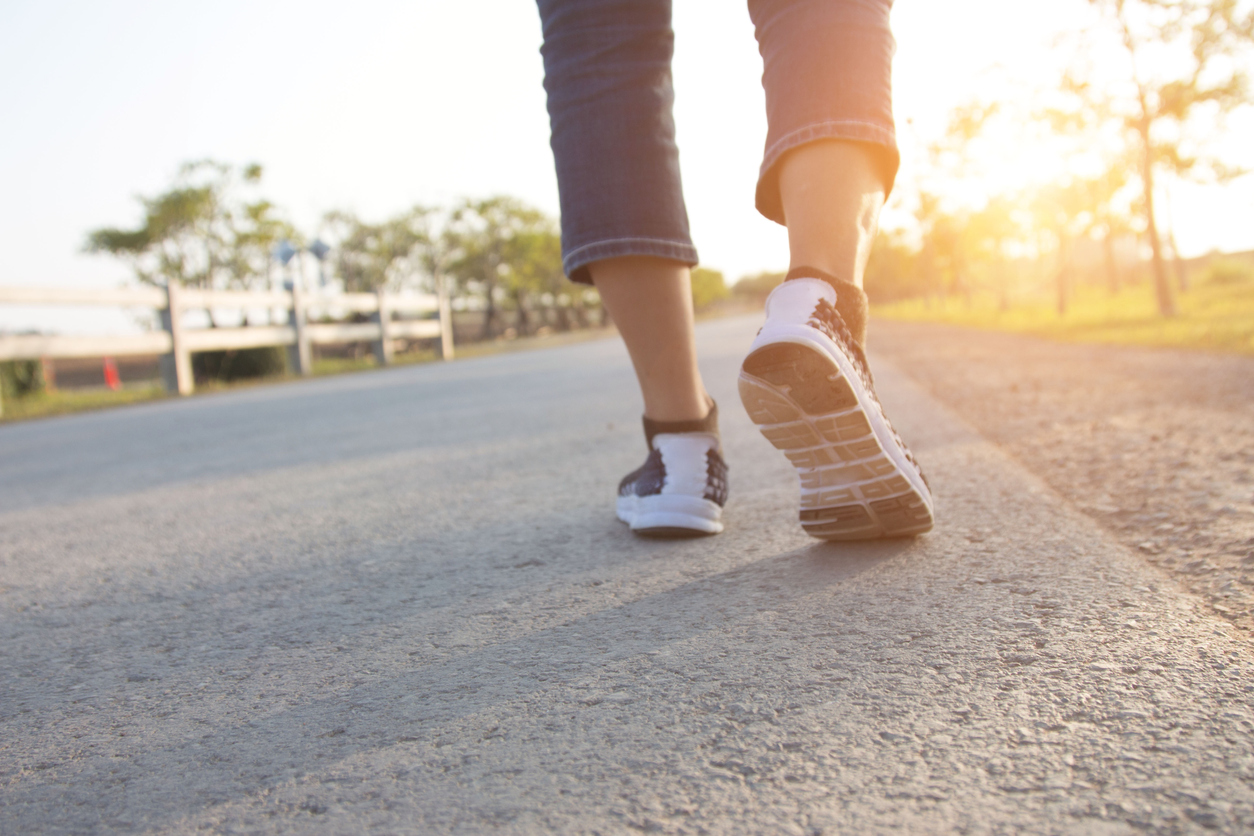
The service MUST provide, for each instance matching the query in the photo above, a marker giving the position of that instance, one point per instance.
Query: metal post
(300, 355)
(383, 316)
(446, 318)
(176, 367)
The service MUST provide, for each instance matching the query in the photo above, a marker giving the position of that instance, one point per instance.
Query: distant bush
(20, 378)
(1228, 272)
(708, 288)
(240, 364)
(756, 288)
(894, 271)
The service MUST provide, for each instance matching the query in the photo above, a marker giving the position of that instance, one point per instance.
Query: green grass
(58, 402)
(346, 365)
(1213, 317)
(342, 365)
(503, 346)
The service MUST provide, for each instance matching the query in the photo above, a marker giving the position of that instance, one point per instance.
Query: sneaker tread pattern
(851, 489)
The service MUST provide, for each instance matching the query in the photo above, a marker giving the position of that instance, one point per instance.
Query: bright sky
(374, 106)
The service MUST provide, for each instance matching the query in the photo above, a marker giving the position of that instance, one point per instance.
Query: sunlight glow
(378, 106)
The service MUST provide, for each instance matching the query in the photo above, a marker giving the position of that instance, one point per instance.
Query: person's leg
(832, 193)
(607, 76)
(650, 302)
(624, 223)
(625, 229)
(831, 149)
(829, 162)
(681, 489)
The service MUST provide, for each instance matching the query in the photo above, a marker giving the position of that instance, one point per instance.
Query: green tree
(892, 272)
(380, 256)
(708, 288)
(942, 261)
(988, 232)
(1109, 218)
(758, 286)
(1059, 211)
(201, 232)
(505, 250)
(21, 378)
(1183, 73)
(533, 261)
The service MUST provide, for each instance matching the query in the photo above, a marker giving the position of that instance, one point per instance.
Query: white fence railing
(177, 343)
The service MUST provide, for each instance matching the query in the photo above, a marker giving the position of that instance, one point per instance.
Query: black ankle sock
(708, 424)
(850, 300)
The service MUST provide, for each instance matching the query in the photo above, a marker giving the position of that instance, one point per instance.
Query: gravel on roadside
(1157, 445)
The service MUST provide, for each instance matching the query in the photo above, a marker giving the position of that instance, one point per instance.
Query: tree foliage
(202, 232)
(1183, 73)
(1149, 91)
(505, 250)
(370, 257)
(893, 271)
(21, 378)
(757, 286)
(497, 250)
(210, 229)
(708, 288)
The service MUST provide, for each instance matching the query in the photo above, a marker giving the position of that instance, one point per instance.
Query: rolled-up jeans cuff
(575, 263)
(767, 199)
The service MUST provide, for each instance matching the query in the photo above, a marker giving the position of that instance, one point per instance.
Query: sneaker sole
(856, 483)
(670, 515)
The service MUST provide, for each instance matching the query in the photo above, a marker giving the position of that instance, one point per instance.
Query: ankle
(670, 409)
(707, 424)
(851, 301)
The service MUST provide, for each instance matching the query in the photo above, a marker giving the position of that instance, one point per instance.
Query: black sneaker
(681, 488)
(807, 386)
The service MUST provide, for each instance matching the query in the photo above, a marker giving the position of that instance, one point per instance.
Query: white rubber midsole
(812, 338)
(672, 510)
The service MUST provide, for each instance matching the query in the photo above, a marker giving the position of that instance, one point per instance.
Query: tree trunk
(1003, 283)
(1177, 263)
(489, 316)
(524, 317)
(1162, 287)
(1112, 270)
(1062, 279)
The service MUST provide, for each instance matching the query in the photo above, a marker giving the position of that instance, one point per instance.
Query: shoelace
(828, 320)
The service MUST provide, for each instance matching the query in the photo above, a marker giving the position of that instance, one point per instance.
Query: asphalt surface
(400, 602)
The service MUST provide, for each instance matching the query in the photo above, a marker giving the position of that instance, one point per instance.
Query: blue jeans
(607, 73)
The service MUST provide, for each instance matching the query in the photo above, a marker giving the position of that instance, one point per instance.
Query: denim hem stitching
(597, 250)
(867, 132)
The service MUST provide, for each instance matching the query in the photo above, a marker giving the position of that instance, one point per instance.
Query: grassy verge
(1214, 317)
(60, 402)
(346, 365)
(501, 346)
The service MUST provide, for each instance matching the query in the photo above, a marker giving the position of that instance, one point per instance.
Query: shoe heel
(813, 382)
(850, 487)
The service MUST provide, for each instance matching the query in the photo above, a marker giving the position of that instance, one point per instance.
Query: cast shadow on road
(225, 761)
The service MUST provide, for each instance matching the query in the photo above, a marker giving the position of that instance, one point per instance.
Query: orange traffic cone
(112, 379)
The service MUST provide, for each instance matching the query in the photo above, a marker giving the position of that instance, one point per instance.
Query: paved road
(399, 602)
